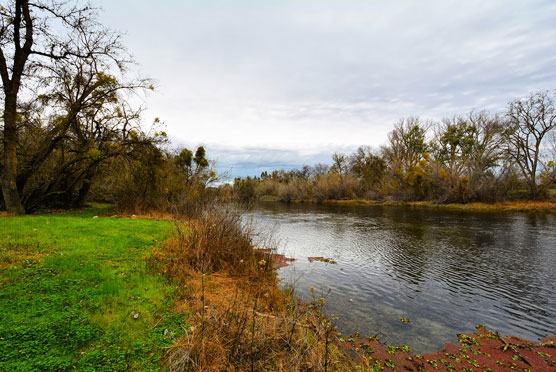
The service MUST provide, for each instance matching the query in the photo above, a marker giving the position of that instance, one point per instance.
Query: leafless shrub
(241, 319)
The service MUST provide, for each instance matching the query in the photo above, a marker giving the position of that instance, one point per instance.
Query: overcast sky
(276, 84)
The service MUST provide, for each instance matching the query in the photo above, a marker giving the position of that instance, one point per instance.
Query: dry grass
(216, 241)
(242, 320)
(15, 254)
(243, 326)
(147, 215)
(515, 206)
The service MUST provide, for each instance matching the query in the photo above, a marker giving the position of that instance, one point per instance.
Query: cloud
(274, 78)
(252, 161)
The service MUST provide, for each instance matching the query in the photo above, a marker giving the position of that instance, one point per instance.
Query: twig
(179, 345)
(253, 334)
(327, 332)
(158, 321)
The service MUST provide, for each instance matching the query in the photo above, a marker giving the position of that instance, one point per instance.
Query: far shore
(546, 206)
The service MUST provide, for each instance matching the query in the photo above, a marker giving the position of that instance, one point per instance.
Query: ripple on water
(445, 271)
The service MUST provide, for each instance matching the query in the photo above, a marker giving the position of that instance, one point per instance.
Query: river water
(446, 271)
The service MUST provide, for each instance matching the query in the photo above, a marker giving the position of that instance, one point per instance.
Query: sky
(271, 84)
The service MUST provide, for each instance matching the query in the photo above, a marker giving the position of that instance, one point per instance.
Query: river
(445, 271)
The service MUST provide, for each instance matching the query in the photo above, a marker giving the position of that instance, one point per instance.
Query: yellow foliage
(94, 153)
(443, 174)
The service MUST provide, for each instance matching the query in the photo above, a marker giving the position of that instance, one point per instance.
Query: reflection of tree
(527, 272)
(405, 243)
(501, 257)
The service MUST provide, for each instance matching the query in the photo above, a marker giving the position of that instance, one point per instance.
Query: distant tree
(244, 188)
(548, 175)
(304, 173)
(195, 168)
(453, 149)
(367, 167)
(488, 141)
(320, 169)
(339, 163)
(454, 144)
(200, 159)
(406, 155)
(530, 122)
(406, 143)
(184, 161)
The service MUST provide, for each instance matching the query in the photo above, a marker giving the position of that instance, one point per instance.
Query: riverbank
(508, 206)
(484, 350)
(242, 319)
(91, 290)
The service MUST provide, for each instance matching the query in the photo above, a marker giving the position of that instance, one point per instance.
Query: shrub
(266, 187)
(242, 320)
(217, 240)
(286, 192)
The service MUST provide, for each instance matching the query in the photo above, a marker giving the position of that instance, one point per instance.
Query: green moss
(69, 286)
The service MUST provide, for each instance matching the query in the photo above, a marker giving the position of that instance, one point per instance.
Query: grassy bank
(76, 294)
(510, 206)
(91, 291)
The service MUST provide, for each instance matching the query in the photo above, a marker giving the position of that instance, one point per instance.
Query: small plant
(433, 363)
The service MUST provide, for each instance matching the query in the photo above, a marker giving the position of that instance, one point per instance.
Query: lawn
(76, 293)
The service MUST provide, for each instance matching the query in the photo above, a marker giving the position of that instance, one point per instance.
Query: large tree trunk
(535, 191)
(9, 174)
(22, 20)
(84, 190)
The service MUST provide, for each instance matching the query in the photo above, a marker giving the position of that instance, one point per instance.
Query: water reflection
(445, 271)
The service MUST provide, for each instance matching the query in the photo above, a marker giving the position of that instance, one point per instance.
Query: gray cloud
(233, 162)
(272, 83)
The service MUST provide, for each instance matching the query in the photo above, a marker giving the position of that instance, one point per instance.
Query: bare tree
(340, 163)
(530, 120)
(320, 169)
(489, 141)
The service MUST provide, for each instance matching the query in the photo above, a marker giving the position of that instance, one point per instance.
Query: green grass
(70, 285)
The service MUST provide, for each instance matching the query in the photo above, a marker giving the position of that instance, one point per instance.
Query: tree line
(69, 131)
(479, 156)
